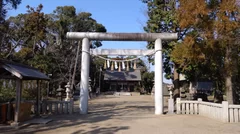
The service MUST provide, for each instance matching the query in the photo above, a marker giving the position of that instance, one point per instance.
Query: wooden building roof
(11, 70)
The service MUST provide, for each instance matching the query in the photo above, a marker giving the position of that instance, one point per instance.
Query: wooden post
(65, 110)
(187, 108)
(61, 108)
(50, 108)
(225, 114)
(178, 106)
(38, 98)
(127, 66)
(44, 107)
(71, 103)
(170, 106)
(191, 108)
(195, 108)
(199, 108)
(239, 115)
(112, 67)
(231, 116)
(236, 115)
(183, 108)
(135, 64)
(18, 102)
(56, 108)
(119, 68)
(105, 65)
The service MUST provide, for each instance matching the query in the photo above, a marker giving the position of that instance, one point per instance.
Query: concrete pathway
(128, 115)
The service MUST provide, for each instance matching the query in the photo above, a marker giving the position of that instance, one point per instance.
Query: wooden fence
(49, 107)
(57, 107)
(223, 112)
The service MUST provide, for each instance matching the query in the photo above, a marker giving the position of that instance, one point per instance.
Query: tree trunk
(70, 71)
(228, 76)
(75, 66)
(218, 95)
(229, 91)
(176, 92)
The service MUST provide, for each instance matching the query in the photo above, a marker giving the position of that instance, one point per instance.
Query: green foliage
(29, 90)
(204, 38)
(40, 40)
(147, 81)
(208, 30)
(5, 39)
(61, 21)
(4, 7)
(7, 93)
(162, 18)
(209, 50)
(96, 68)
(137, 88)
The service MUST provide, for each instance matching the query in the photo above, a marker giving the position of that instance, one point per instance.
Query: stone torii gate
(87, 36)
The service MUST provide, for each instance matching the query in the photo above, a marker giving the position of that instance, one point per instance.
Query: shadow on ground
(102, 130)
(97, 121)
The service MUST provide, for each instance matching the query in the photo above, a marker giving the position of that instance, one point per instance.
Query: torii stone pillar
(86, 36)
(158, 78)
(83, 105)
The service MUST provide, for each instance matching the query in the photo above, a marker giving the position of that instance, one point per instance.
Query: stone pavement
(127, 115)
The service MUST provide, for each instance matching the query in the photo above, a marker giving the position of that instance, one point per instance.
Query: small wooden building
(20, 72)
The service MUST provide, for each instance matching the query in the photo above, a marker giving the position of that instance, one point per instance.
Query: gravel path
(128, 115)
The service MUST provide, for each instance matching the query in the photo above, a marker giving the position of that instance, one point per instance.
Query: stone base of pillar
(170, 106)
(67, 99)
(15, 124)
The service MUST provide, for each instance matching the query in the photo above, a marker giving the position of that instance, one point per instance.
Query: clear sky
(115, 15)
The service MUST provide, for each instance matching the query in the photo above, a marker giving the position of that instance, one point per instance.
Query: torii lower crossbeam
(116, 52)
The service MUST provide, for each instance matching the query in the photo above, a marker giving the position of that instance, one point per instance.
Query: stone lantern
(68, 92)
(170, 100)
(170, 89)
(60, 92)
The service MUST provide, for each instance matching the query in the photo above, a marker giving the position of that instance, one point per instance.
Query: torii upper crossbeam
(121, 36)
